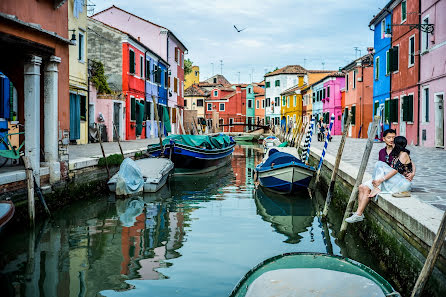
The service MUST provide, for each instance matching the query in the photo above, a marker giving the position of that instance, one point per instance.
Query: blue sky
(278, 32)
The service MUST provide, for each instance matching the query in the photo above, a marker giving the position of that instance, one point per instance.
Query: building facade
(194, 99)
(192, 78)
(432, 75)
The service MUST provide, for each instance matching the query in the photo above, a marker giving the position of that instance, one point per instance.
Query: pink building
(433, 74)
(332, 100)
(164, 43)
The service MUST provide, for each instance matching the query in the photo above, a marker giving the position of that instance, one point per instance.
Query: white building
(275, 83)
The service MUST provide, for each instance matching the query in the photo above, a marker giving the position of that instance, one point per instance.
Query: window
(394, 58)
(249, 90)
(196, 73)
(277, 83)
(81, 48)
(288, 101)
(376, 68)
(166, 79)
(222, 107)
(345, 115)
(328, 92)
(283, 101)
(375, 107)
(354, 79)
(411, 51)
(131, 61)
(295, 101)
(353, 114)
(393, 110)
(132, 108)
(215, 80)
(387, 111)
(426, 105)
(257, 104)
(383, 28)
(185, 102)
(268, 102)
(407, 107)
(314, 97)
(175, 84)
(148, 70)
(263, 103)
(249, 103)
(199, 102)
(176, 54)
(231, 121)
(346, 81)
(83, 104)
(277, 101)
(403, 11)
(215, 93)
(387, 62)
(141, 66)
(267, 84)
(209, 107)
(155, 73)
(182, 60)
(147, 110)
(425, 36)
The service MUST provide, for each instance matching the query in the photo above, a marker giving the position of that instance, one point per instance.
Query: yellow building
(78, 75)
(192, 78)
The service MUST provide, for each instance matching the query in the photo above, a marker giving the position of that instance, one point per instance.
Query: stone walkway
(429, 184)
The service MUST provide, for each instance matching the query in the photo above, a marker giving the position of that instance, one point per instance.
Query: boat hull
(7, 210)
(286, 178)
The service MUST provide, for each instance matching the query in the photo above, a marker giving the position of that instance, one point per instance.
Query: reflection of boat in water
(288, 216)
(312, 274)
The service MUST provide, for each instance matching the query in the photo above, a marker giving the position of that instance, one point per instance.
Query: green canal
(196, 237)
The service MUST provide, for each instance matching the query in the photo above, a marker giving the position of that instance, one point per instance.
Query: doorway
(439, 120)
(116, 120)
(402, 122)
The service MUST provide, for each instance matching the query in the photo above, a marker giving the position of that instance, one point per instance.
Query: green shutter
(353, 115)
(132, 61)
(345, 115)
(132, 109)
(376, 108)
(387, 62)
(387, 111)
(394, 111)
(403, 11)
(405, 108)
(394, 58)
(410, 108)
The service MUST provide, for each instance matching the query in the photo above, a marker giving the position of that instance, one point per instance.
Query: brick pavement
(429, 184)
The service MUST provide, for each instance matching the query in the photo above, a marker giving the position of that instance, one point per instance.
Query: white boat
(144, 175)
(269, 142)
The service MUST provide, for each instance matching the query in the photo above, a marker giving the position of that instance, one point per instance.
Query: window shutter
(388, 62)
(345, 115)
(394, 111)
(168, 81)
(132, 109)
(410, 108)
(148, 69)
(376, 108)
(353, 115)
(405, 107)
(176, 54)
(328, 91)
(387, 111)
(132, 61)
(175, 84)
(394, 59)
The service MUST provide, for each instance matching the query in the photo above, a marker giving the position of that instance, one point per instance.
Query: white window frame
(141, 66)
(82, 50)
(425, 36)
(354, 79)
(231, 121)
(250, 101)
(423, 105)
(399, 109)
(257, 104)
(399, 54)
(409, 55)
(383, 28)
(220, 105)
(387, 66)
(287, 98)
(263, 103)
(182, 60)
(376, 74)
(355, 113)
(295, 100)
(403, 20)
(209, 105)
(215, 93)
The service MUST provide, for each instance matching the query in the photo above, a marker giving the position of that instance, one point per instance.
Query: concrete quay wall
(398, 231)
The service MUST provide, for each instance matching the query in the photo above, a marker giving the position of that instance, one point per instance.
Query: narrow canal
(196, 237)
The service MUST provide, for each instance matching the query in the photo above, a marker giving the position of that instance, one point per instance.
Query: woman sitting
(388, 179)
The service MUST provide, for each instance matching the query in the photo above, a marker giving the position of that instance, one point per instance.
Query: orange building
(358, 95)
(259, 94)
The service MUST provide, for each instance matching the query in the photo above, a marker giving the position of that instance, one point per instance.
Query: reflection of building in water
(288, 216)
(238, 163)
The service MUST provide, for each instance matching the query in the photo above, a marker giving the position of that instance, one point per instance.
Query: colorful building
(307, 103)
(259, 94)
(194, 99)
(381, 66)
(78, 64)
(291, 107)
(35, 46)
(358, 94)
(250, 107)
(432, 75)
(164, 44)
(192, 78)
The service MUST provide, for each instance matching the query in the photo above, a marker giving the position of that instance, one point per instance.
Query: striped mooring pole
(321, 160)
(308, 141)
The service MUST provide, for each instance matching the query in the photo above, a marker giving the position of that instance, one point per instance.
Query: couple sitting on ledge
(393, 173)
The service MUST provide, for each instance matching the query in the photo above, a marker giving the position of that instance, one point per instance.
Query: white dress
(395, 184)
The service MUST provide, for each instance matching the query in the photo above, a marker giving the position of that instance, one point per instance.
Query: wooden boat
(7, 210)
(312, 274)
(154, 174)
(246, 137)
(269, 142)
(283, 172)
(195, 154)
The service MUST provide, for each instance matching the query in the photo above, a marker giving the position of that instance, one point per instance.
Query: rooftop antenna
(323, 64)
(266, 70)
(212, 69)
(305, 62)
(252, 74)
(356, 51)
(221, 67)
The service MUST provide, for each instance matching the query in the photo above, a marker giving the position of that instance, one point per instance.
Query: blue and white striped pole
(325, 144)
(308, 141)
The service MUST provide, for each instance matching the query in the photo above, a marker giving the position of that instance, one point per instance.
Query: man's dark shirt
(384, 157)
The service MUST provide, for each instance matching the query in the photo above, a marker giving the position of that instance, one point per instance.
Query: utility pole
(212, 69)
(221, 67)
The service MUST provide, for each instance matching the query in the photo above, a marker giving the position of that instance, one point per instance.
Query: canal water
(196, 237)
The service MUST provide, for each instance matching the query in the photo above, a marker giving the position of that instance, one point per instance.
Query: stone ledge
(19, 175)
(420, 218)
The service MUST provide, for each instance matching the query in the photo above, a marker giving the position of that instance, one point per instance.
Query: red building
(230, 103)
(404, 70)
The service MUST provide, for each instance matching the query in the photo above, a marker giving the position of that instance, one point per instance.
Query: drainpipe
(419, 75)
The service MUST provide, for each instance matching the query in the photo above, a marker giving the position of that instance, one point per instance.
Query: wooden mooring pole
(362, 167)
(103, 152)
(155, 106)
(119, 141)
(431, 259)
(334, 174)
(30, 187)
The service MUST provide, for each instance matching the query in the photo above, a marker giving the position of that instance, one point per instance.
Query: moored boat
(283, 172)
(7, 210)
(312, 274)
(195, 154)
(269, 142)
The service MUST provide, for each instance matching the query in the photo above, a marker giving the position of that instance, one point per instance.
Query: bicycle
(10, 151)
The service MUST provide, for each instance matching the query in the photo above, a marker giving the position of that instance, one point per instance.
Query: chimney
(370, 50)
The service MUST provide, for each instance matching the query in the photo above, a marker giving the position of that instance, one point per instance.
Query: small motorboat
(144, 175)
(7, 210)
(282, 171)
(312, 274)
(269, 142)
(195, 154)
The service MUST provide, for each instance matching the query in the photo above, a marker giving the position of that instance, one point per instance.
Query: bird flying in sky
(238, 31)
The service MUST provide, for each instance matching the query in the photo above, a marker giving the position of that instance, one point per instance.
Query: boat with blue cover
(312, 274)
(282, 171)
(195, 154)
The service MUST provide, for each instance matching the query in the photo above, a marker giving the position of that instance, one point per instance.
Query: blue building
(381, 65)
